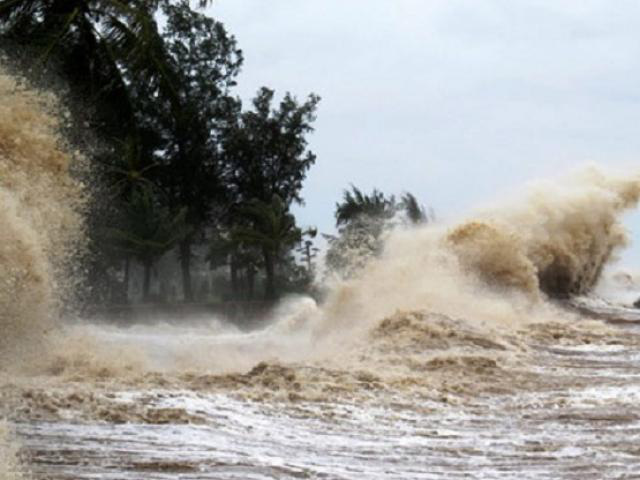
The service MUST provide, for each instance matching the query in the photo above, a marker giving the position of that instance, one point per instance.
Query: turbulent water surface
(573, 412)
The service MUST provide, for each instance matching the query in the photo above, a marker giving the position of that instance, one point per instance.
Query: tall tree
(125, 175)
(273, 230)
(190, 104)
(266, 157)
(266, 148)
(356, 204)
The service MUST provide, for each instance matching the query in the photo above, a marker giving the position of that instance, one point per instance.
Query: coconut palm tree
(415, 212)
(272, 229)
(99, 46)
(356, 204)
(130, 167)
(87, 40)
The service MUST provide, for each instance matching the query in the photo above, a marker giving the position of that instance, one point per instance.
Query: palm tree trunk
(251, 282)
(185, 265)
(127, 268)
(269, 268)
(146, 286)
(233, 266)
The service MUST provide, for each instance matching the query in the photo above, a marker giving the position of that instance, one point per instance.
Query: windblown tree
(139, 78)
(87, 41)
(362, 220)
(357, 205)
(415, 213)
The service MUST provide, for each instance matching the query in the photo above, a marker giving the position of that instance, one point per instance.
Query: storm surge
(501, 263)
(557, 241)
(40, 224)
(448, 316)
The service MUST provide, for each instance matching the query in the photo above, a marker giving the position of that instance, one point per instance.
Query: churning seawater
(573, 413)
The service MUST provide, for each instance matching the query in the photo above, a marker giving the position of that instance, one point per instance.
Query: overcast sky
(452, 100)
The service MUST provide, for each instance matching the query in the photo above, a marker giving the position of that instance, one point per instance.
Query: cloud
(450, 99)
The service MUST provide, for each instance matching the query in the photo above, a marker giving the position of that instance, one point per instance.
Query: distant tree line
(182, 166)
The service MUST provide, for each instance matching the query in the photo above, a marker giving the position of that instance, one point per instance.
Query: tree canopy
(177, 149)
(267, 158)
(362, 220)
(266, 148)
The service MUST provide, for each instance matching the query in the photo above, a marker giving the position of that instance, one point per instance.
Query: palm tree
(149, 231)
(100, 46)
(415, 212)
(362, 219)
(88, 40)
(272, 229)
(129, 168)
(356, 204)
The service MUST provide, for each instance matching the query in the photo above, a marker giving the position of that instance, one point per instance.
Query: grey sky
(452, 100)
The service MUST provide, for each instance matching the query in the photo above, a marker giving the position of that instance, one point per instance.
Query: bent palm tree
(362, 220)
(357, 204)
(415, 212)
(95, 43)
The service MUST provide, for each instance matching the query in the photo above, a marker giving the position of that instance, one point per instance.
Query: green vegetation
(183, 175)
(181, 166)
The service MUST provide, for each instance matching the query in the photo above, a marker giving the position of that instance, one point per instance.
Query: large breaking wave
(40, 226)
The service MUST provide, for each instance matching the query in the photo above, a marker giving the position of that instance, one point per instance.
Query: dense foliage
(181, 166)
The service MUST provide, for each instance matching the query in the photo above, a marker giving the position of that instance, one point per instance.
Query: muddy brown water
(580, 420)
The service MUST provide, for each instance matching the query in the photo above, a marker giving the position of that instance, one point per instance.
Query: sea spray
(497, 267)
(557, 241)
(40, 224)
